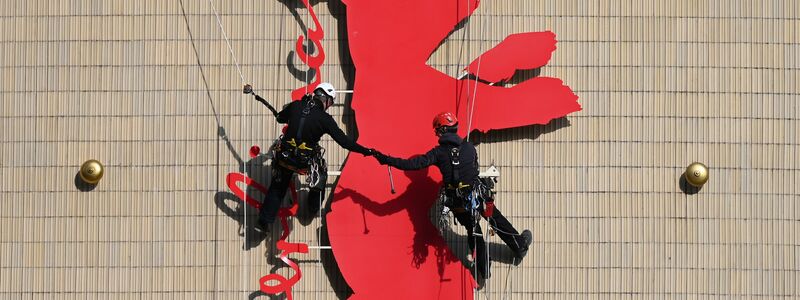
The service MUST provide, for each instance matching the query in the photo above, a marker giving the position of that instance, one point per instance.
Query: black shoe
(528, 237)
(313, 201)
(487, 273)
(262, 227)
(312, 207)
(481, 272)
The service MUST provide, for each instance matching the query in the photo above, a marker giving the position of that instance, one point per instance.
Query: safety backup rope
(471, 99)
(244, 167)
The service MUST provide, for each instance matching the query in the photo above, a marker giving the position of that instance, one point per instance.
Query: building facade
(144, 87)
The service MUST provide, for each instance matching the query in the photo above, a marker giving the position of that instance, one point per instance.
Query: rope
(241, 76)
(506, 232)
(219, 125)
(476, 223)
(474, 96)
(471, 100)
(225, 35)
(475, 86)
(244, 167)
(506, 291)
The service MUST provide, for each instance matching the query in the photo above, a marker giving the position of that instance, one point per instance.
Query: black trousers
(281, 178)
(504, 230)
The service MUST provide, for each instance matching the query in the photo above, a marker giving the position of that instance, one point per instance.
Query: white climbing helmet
(327, 88)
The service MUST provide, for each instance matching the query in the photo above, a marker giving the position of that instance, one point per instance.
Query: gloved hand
(488, 209)
(382, 158)
(371, 152)
(247, 89)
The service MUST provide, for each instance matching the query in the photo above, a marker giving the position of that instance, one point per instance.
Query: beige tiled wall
(662, 84)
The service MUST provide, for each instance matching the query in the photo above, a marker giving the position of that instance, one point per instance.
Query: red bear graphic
(396, 96)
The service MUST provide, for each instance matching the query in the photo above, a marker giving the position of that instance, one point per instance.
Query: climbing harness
(293, 153)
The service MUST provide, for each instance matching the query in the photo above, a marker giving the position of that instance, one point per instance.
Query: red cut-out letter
(284, 285)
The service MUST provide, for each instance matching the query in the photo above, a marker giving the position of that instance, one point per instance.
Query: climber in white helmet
(299, 151)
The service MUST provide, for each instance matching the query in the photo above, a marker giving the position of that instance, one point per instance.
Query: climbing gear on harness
(297, 158)
(458, 186)
(302, 146)
(317, 175)
(444, 216)
(470, 198)
(294, 155)
(455, 160)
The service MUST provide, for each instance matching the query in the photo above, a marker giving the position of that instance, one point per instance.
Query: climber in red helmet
(466, 194)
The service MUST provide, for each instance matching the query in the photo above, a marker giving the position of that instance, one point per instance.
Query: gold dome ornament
(91, 171)
(696, 174)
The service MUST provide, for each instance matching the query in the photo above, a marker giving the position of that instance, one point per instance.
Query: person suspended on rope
(298, 149)
(464, 193)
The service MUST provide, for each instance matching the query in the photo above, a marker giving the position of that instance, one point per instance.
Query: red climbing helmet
(445, 119)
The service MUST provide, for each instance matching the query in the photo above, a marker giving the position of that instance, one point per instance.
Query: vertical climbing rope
(219, 125)
(227, 41)
(244, 167)
(471, 99)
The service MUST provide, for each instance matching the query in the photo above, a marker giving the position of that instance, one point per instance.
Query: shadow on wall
(531, 132)
(81, 185)
(310, 202)
(687, 188)
(420, 248)
(243, 214)
(247, 217)
(417, 213)
(458, 244)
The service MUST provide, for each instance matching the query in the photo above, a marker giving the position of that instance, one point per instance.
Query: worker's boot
(527, 236)
(262, 227)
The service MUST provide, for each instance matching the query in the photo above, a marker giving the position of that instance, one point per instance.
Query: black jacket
(440, 156)
(317, 122)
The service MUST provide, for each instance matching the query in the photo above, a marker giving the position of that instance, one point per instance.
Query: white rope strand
(225, 35)
(244, 167)
(475, 86)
